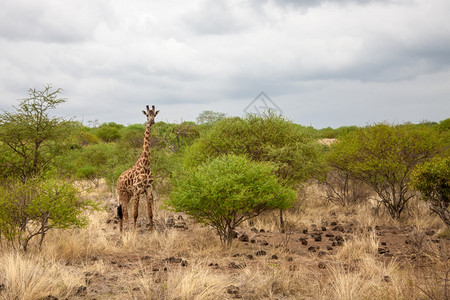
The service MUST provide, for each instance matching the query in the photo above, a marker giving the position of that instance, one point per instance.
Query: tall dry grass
(32, 277)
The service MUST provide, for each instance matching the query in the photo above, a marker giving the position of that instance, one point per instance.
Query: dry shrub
(26, 277)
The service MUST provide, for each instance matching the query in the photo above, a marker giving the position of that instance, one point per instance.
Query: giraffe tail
(120, 212)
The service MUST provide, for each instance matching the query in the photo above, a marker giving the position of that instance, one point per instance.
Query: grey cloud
(51, 21)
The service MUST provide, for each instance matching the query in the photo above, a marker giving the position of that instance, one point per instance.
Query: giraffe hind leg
(122, 210)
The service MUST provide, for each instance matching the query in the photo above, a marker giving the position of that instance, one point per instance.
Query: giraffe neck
(144, 158)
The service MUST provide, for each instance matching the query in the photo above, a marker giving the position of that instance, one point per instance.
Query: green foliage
(292, 148)
(330, 133)
(209, 118)
(102, 160)
(109, 132)
(432, 179)
(31, 209)
(383, 156)
(30, 138)
(227, 191)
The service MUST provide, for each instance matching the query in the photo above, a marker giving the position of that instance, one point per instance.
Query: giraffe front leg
(149, 193)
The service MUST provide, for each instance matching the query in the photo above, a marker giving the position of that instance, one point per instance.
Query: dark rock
(329, 235)
(304, 241)
(232, 289)
(339, 238)
(252, 241)
(243, 238)
(180, 218)
(235, 235)
(234, 265)
(146, 257)
(338, 228)
(383, 250)
(312, 249)
(333, 244)
(318, 238)
(324, 229)
(262, 230)
(430, 232)
(383, 243)
(290, 259)
(250, 256)
(253, 229)
(321, 253)
(260, 253)
(329, 248)
(274, 257)
(305, 231)
(263, 242)
(321, 265)
(333, 223)
(184, 263)
(386, 279)
(50, 297)
(81, 290)
(172, 260)
(155, 269)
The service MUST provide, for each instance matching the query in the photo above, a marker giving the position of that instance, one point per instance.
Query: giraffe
(138, 180)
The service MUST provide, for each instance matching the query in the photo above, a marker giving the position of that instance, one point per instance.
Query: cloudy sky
(321, 62)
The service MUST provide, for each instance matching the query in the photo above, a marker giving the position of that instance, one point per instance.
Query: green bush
(31, 209)
(432, 179)
(227, 191)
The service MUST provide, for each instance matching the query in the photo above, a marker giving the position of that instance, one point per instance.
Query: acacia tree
(384, 156)
(227, 191)
(30, 137)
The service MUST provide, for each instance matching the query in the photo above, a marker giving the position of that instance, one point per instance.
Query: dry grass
(27, 277)
(97, 262)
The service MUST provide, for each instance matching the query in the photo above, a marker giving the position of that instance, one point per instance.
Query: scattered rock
(262, 230)
(329, 235)
(180, 218)
(321, 265)
(155, 269)
(252, 241)
(253, 229)
(333, 223)
(312, 249)
(383, 243)
(234, 265)
(231, 289)
(383, 250)
(318, 238)
(321, 253)
(243, 238)
(430, 232)
(172, 260)
(290, 259)
(329, 248)
(304, 241)
(250, 256)
(324, 229)
(50, 297)
(146, 257)
(338, 228)
(274, 257)
(263, 242)
(260, 253)
(81, 290)
(305, 231)
(386, 279)
(184, 263)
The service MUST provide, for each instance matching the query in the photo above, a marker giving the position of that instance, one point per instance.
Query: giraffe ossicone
(138, 180)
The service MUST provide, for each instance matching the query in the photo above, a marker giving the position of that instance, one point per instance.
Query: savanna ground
(325, 252)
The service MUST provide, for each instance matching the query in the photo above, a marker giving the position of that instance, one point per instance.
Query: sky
(321, 63)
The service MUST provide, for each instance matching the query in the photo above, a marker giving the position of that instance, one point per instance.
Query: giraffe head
(150, 114)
